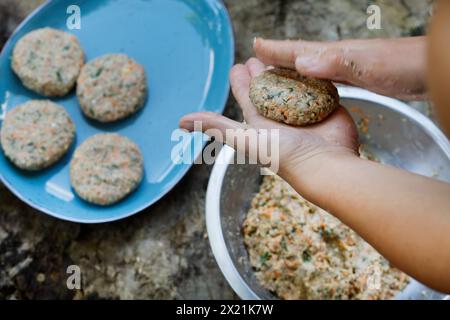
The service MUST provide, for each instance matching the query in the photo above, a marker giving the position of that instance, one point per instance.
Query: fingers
(225, 130)
(240, 85)
(277, 53)
(331, 63)
(209, 120)
(326, 60)
(255, 67)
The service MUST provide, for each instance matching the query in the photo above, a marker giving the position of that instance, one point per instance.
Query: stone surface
(163, 252)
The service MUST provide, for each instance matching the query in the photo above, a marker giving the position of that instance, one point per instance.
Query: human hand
(302, 150)
(392, 67)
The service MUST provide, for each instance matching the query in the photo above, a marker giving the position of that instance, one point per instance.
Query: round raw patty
(48, 61)
(286, 96)
(36, 134)
(106, 168)
(111, 88)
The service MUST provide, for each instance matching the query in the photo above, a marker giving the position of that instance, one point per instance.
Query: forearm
(406, 217)
(439, 64)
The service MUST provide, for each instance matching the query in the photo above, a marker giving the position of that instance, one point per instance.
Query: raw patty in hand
(286, 96)
(106, 168)
(36, 134)
(111, 88)
(48, 61)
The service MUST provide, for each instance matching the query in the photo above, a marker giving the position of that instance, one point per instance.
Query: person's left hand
(301, 149)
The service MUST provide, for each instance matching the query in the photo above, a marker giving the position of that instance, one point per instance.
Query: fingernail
(255, 39)
(187, 125)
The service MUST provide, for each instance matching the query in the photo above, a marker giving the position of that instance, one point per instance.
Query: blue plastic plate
(187, 49)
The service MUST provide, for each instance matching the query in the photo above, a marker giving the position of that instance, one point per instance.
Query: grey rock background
(163, 252)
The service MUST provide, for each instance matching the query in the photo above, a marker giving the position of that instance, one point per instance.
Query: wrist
(310, 174)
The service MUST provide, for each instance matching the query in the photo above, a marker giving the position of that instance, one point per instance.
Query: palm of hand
(336, 133)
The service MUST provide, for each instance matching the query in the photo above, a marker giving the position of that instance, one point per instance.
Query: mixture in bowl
(299, 251)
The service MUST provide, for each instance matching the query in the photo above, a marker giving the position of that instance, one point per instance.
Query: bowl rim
(226, 155)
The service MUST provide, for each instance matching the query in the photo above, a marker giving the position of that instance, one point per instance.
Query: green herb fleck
(283, 244)
(306, 255)
(98, 73)
(58, 75)
(264, 257)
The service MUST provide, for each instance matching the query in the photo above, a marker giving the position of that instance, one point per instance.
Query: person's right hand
(392, 67)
